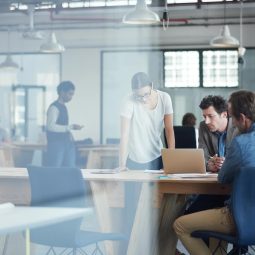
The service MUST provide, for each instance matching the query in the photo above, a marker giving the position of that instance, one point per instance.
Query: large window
(182, 69)
(201, 68)
(220, 69)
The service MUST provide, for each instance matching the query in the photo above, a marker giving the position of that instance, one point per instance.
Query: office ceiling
(67, 14)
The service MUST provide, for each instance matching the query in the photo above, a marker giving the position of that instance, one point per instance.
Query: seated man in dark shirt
(215, 134)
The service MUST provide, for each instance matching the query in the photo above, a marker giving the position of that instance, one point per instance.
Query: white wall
(82, 67)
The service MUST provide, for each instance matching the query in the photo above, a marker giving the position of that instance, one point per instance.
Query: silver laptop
(183, 161)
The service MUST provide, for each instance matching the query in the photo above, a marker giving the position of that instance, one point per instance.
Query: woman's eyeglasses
(143, 97)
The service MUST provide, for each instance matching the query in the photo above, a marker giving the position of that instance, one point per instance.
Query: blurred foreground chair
(63, 187)
(243, 210)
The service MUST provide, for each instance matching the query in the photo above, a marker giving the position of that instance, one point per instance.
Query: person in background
(144, 114)
(60, 143)
(240, 154)
(189, 120)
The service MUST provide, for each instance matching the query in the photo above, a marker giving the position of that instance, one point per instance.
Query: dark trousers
(60, 154)
(206, 202)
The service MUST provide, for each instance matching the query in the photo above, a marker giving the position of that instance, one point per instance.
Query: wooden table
(22, 153)
(166, 194)
(151, 233)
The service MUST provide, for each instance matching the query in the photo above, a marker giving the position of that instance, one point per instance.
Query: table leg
(27, 241)
(144, 231)
(100, 198)
(172, 207)
(6, 240)
(94, 160)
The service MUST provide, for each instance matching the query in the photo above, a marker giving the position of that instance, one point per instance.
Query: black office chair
(185, 137)
(63, 187)
(243, 210)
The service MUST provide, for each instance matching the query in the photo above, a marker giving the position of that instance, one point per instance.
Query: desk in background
(168, 195)
(100, 156)
(20, 154)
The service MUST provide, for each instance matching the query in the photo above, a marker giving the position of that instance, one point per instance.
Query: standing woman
(144, 115)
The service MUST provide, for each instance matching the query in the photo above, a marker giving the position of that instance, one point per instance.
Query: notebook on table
(180, 161)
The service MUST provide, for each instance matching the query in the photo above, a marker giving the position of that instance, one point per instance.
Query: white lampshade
(141, 15)
(52, 45)
(9, 64)
(224, 39)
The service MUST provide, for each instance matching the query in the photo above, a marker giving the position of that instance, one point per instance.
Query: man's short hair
(219, 103)
(65, 86)
(243, 101)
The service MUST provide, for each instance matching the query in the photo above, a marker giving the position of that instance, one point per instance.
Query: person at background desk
(144, 114)
(215, 135)
(189, 120)
(60, 143)
(240, 154)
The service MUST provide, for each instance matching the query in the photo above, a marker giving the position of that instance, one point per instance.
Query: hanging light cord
(241, 23)
(224, 12)
(165, 17)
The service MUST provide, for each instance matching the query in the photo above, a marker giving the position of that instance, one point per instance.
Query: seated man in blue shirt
(240, 154)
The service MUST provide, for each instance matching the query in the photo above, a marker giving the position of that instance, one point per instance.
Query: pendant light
(241, 49)
(141, 15)
(224, 39)
(8, 63)
(52, 45)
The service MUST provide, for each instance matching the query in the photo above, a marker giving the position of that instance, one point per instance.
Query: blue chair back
(51, 186)
(57, 187)
(243, 205)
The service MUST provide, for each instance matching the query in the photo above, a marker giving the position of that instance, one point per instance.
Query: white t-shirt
(146, 126)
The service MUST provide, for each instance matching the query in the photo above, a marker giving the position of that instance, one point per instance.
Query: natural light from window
(220, 68)
(181, 69)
